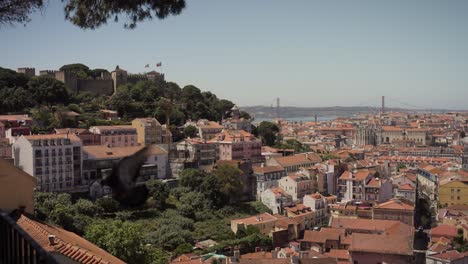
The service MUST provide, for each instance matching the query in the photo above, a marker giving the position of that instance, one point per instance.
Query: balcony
(16, 246)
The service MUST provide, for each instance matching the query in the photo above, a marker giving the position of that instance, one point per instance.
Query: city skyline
(314, 54)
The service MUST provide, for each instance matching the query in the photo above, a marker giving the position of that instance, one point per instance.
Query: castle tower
(119, 77)
(30, 72)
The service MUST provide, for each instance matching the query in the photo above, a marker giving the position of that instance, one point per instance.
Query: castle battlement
(137, 76)
(48, 72)
(26, 69)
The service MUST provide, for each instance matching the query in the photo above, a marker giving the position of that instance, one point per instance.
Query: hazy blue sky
(308, 53)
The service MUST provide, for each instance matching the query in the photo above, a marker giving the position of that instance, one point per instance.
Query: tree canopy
(90, 14)
(268, 132)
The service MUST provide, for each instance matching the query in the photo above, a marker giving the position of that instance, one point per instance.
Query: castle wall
(69, 79)
(96, 87)
(30, 72)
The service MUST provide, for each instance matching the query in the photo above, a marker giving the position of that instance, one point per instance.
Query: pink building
(5, 148)
(116, 136)
(87, 138)
(238, 145)
(15, 120)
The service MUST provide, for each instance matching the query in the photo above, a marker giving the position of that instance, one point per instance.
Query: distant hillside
(295, 112)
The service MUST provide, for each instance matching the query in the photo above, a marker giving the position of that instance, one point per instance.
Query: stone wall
(96, 87)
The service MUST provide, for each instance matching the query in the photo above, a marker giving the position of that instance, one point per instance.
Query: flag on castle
(159, 64)
(147, 66)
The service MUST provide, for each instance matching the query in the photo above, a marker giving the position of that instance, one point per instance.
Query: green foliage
(183, 248)
(401, 166)
(120, 102)
(80, 70)
(247, 240)
(48, 91)
(229, 182)
(107, 204)
(268, 133)
(159, 192)
(121, 239)
(14, 91)
(47, 202)
(192, 202)
(85, 207)
(190, 131)
(293, 144)
(460, 244)
(191, 178)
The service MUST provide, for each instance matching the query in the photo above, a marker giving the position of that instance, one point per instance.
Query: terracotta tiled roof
(234, 136)
(72, 137)
(341, 254)
(155, 150)
(266, 169)
(256, 219)
(396, 204)
(67, 243)
(323, 235)
(374, 182)
(449, 255)
(14, 118)
(382, 243)
(370, 225)
(414, 159)
(358, 176)
(299, 159)
(406, 187)
(104, 152)
(257, 255)
(278, 191)
(447, 231)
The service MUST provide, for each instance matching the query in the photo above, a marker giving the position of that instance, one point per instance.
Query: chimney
(51, 240)
(263, 164)
(237, 255)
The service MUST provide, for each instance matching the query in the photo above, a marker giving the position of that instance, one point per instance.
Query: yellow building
(149, 131)
(16, 188)
(453, 192)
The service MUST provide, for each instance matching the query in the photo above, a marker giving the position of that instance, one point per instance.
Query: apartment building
(296, 185)
(196, 152)
(149, 131)
(207, 130)
(361, 185)
(276, 199)
(87, 138)
(55, 160)
(295, 162)
(267, 177)
(319, 205)
(238, 145)
(395, 209)
(116, 136)
(453, 191)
